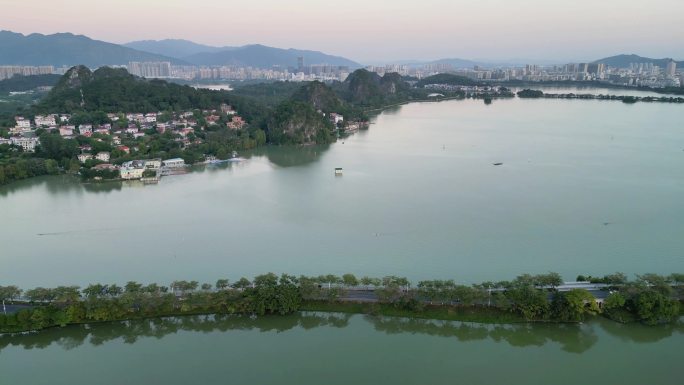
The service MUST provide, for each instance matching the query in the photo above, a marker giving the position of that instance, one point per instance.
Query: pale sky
(377, 31)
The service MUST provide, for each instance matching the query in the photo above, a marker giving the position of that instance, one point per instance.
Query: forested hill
(115, 90)
(623, 61)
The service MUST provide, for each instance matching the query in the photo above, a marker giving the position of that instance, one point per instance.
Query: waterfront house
(153, 164)
(335, 118)
(174, 163)
(131, 173)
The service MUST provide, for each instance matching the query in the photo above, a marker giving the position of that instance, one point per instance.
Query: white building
(84, 157)
(45, 120)
(336, 118)
(131, 172)
(150, 118)
(22, 123)
(103, 156)
(671, 68)
(28, 144)
(174, 163)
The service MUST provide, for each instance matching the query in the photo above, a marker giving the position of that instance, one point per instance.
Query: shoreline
(375, 111)
(469, 314)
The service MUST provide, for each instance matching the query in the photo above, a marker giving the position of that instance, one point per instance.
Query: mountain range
(254, 55)
(66, 49)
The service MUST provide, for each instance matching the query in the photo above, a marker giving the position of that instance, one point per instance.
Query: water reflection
(289, 156)
(572, 338)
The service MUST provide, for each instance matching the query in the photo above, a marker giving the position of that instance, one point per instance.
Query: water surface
(315, 348)
(585, 187)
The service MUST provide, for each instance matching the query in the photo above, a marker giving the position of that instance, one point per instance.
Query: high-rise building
(300, 64)
(150, 69)
(671, 68)
(7, 72)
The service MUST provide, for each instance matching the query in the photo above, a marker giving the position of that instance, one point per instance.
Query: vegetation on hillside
(20, 83)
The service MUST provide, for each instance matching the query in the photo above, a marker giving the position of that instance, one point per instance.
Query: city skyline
(522, 30)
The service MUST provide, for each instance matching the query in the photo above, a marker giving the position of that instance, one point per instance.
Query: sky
(374, 31)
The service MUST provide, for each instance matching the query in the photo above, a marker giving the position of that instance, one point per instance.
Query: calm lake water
(313, 348)
(585, 187)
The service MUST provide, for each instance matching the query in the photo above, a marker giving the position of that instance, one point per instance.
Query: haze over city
(495, 30)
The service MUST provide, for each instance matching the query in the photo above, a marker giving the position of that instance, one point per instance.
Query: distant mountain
(623, 61)
(459, 63)
(177, 48)
(67, 49)
(266, 57)
(454, 62)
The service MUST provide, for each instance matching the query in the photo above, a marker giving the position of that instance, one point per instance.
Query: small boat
(338, 171)
(235, 158)
(497, 163)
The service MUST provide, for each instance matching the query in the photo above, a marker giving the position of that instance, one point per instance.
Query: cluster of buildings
(7, 72)
(637, 74)
(322, 72)
(124, 129)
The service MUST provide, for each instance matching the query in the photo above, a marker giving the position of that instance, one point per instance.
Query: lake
(586, 187)
(315, 348)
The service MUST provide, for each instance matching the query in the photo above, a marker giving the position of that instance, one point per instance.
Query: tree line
(650, 299)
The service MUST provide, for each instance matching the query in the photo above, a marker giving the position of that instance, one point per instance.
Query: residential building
(103, 156)
(174, 163)
(27, 143)
(236, 123)
(45, 120)
(84, 157)
(131, 172)
(671, 68)
(66, 131)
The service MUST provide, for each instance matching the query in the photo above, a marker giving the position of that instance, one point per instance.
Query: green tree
(573, 305)
(222, 284)
(652, 307)
(350, 280)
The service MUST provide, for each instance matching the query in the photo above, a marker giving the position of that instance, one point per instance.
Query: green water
(586, 187)
(316, 348)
